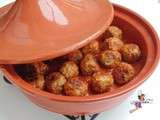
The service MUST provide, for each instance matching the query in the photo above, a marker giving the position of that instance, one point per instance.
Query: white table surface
(14, 106)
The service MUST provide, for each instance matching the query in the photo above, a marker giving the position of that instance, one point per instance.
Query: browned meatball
(123, 73)
(101, 82)
(26, 71)
(89, 65)
(75, 56)
(76, 87)
(56, 63)
(93, 48)
(131, 52)
(114, 31)
(39, 82)
(113, 43)
(69, 69)
(41, 67)
(110, 58)
(55, 82)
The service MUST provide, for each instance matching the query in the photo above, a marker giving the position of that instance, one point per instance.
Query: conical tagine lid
(35, 30)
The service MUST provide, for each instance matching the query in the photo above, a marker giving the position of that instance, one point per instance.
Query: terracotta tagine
(34, 30)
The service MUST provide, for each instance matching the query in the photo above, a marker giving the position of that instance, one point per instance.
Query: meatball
(113, 43)
(26, 71)
(69, 69)
(101, 82)
(89, 65)
(93, 48)
(123, 73)
(55, 83)
(41, 67)
(56, 63)
(75, 56)
(76, 87)
(130, 52)
(39, 82)
(110, 58)
(114, 31)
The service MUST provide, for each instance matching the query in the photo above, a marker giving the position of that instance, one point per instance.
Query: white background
(14, 106)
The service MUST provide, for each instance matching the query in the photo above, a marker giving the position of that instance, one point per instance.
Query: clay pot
(36, 30)
(135, 27)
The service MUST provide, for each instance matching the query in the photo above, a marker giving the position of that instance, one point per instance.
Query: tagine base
(81, 117)
(6, 80)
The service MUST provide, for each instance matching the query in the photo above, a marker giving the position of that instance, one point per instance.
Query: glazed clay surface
(35, 30)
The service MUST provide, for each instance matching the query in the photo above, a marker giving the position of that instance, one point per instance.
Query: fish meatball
(110, 58)
(130, 52)
(114, 31)
(93, 48)
(56, 63)
(69, 69)
(113, 43)
(75, 56)
(39, 82)
(26, 71)
(89, 65)
(55, 83)
(76, 87)
(123, 73)
(41, 67)
(101, 82)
